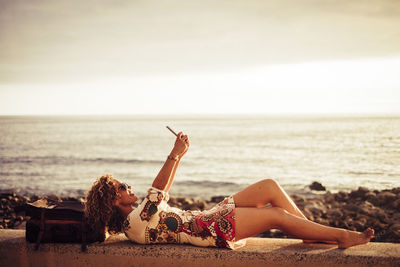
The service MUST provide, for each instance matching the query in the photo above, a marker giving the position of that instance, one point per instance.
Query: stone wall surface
(117, 251)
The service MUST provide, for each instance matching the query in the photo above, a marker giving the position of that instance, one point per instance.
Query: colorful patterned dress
(154, 221)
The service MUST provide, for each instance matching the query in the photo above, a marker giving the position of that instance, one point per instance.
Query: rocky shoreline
(355, 210)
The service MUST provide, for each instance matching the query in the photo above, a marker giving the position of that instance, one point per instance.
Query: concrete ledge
(118, 251)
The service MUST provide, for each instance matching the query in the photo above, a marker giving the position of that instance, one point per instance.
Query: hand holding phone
(181, 144)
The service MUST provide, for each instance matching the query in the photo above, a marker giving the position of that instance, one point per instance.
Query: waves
(365, 173)
(205, 189)
(226, 154)
(59, 160)
(17, 173)
(204, 183)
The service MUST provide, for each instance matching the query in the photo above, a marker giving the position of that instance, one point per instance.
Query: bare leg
(252, 221)
(269, 191)
(264, 192)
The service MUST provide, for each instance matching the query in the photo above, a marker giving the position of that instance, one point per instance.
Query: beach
(355, 210)
(355, 158)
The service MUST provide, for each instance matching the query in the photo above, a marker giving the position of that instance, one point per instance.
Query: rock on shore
(357, 210)
(12, 210)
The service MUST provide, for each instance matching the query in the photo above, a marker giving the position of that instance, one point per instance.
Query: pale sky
(181, 57)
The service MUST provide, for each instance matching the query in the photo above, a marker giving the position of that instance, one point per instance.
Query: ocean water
(64, 154)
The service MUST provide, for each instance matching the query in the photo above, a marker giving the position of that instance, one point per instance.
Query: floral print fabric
(154, 221)
(219, 222)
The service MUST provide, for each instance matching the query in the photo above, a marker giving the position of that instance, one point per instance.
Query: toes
(369, 232)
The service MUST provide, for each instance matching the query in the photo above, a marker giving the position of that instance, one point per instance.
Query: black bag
(59, 222)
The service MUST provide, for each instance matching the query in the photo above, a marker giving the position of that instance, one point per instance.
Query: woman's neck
(125, 210)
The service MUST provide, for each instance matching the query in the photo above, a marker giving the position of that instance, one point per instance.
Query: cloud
(67, 41)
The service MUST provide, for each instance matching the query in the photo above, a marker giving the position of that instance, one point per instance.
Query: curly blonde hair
(100, 212)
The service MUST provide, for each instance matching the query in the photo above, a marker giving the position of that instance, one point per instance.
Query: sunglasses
(123, 186)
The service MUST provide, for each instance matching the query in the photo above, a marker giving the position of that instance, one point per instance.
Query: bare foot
(356, 238)
(319, 241)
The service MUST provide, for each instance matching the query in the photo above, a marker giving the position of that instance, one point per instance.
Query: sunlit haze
(179, 57)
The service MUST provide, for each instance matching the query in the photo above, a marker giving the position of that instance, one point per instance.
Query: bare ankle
(343, 236)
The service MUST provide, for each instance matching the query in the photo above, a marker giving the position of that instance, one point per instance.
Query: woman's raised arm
(165, 177)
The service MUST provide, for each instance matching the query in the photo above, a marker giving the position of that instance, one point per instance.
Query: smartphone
(172, 131)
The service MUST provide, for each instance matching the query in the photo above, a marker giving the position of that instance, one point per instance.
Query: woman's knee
(278, 215)
(270, 182)
(280, 212)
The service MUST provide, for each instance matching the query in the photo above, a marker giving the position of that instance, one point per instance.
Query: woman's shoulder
(145, 215)
(157, 195)
(133, 229)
